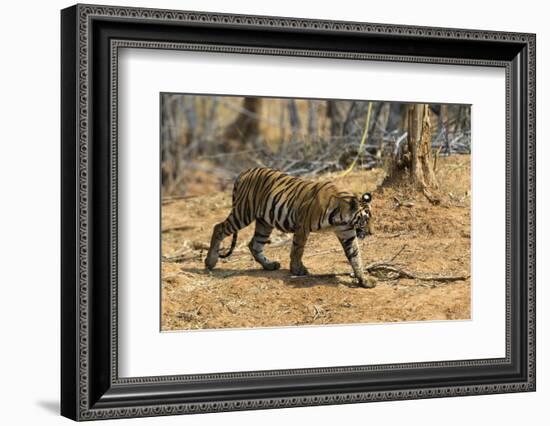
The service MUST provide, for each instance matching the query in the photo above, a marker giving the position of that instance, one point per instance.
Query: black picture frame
(90, 386)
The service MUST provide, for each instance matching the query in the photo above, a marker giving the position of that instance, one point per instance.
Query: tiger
(293, 205)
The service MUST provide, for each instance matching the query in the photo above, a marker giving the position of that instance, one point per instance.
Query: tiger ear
(366, 197)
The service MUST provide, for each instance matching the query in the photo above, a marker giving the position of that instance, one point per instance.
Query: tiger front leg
(297, 251)
(348, 239)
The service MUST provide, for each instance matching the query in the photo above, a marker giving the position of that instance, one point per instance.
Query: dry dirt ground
(427, 239)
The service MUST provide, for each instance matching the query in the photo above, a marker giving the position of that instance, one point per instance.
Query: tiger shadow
(306, 281)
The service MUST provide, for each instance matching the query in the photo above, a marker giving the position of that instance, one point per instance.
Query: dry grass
(238, 293)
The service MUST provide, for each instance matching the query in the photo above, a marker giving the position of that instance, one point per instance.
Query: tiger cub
(276, 200)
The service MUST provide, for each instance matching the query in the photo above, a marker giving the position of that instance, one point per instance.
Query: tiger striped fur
(291, 204)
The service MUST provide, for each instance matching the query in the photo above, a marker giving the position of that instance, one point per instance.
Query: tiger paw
(210, 262)
(272, 266)
(298, 270)
(367, 282)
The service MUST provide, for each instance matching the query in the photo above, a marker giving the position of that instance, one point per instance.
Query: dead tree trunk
(416, 157)
(174, 136)
(420, 146)
(294, 120)
(336, 119)
(312, 122)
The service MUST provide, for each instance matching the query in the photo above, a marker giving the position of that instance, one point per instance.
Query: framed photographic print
(263, 212)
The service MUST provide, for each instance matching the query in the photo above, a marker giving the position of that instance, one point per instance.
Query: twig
(398, 234)
(398, 253)
(176, 228)
(317, 312)
(320, 252)
(177, 259)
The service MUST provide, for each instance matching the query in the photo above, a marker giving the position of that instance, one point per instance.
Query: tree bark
(424, 151)
(414, 127)
(336, 119)
(312, 122)
(417, 156)
(422, 172)
(294, 120)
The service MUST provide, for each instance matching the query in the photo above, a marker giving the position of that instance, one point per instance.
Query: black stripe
(292, 209)
(266, 179)
(237, 222)
(348, 241)
(228, 228)
(287, 223)
(317, 188)
(331, 216)
(352, 254)
(259, 180)
(276, 199)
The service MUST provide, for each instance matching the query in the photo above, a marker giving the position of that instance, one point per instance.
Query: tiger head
(362, 218)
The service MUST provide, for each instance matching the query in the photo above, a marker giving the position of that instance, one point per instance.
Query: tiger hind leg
(256, 246)
(222, 230)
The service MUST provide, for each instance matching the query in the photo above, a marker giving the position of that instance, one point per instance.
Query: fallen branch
(393, 272)
(380, 269)
(388, 271)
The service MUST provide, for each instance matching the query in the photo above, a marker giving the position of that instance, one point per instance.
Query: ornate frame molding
(82, 16)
